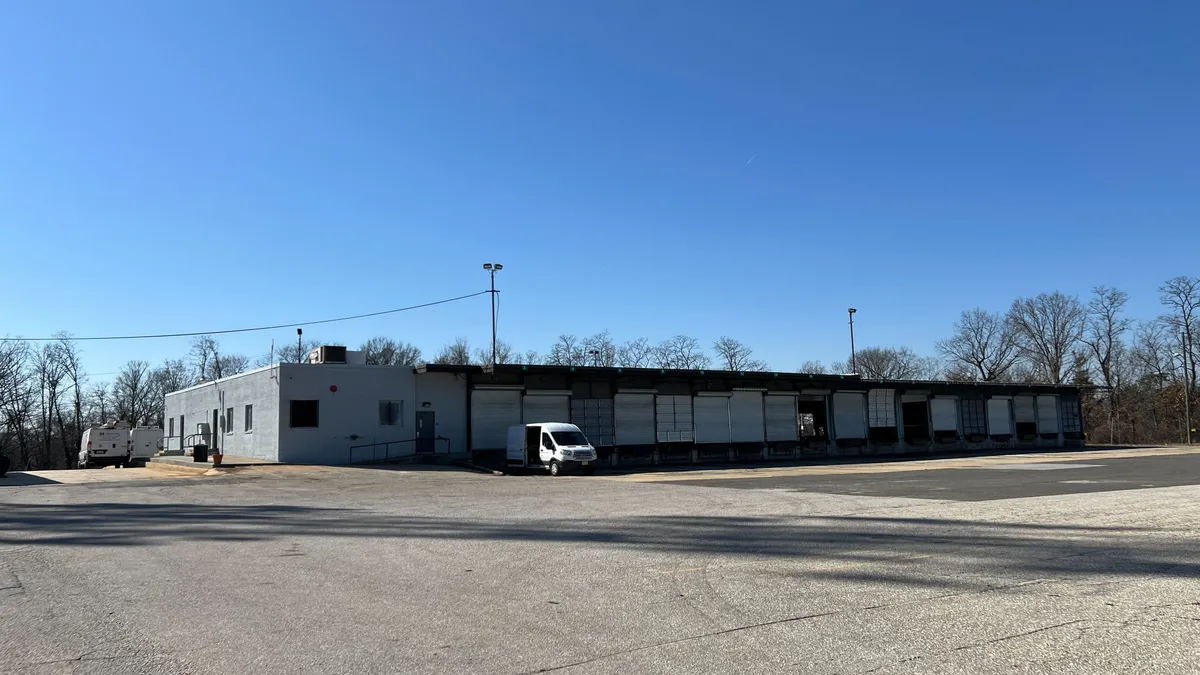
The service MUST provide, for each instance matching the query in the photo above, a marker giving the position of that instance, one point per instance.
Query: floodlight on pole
(853, 357)
(492, 268)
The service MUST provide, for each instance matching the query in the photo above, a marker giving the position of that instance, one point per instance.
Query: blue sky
(199, 166)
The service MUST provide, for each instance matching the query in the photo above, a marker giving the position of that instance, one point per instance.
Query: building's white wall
(446, 394)
(257, 387)
(347, 417)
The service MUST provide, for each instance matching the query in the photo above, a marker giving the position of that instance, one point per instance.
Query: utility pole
(299, 345)
(1187, 385)
(492, 269)
(853, 357)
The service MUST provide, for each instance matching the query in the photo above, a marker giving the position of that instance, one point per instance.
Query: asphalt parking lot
(823, 570)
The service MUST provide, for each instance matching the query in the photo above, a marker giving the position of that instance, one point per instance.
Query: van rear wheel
(555, 467)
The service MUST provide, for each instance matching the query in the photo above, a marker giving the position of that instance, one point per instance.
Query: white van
(553, 446)
(106, 445)
(115, 444)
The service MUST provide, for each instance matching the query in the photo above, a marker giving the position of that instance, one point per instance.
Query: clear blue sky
(170, 166)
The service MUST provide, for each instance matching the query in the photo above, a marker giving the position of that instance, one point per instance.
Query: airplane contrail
(751, 159)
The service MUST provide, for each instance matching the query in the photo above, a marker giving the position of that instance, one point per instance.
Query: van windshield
(569, 438)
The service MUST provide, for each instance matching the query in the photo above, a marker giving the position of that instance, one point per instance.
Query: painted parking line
(899, 465)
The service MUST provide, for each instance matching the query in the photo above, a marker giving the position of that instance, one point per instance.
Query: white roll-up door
(746, 417)
(594, 416)
(674, 418)
(848, 418)
(492, 413)
(711, 414)
(1023, 409)
(999, 416)
(881, 408)
(633, 419)
(546, 408)
(782, 420)
(1047, 414)
(945, 414)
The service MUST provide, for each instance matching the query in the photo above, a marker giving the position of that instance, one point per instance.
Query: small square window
(391, 413)
(249, 418)
(305, 414)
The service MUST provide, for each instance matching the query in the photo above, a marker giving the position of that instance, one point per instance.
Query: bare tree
(457, 353)
(983, 344)
(171, 376)
(600, 350)
(735, 355)
(682, 352)
(292, 352)
(72, 363)
(504, 353)
(133, 393)
(567, 351)
(1181, 295)
(895, 363)
(637, 353)
(812, 367)
(17, 400)
(1104, 337)
(530, 358)
(1048, 329)
(384, 351)
(51, 375)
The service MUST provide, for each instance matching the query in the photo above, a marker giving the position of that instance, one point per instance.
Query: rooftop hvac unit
(328, 354)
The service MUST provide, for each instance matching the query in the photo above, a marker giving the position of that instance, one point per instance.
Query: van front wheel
(555, 467)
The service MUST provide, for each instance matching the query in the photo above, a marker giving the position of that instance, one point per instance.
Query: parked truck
(115, 444)
(553, 446)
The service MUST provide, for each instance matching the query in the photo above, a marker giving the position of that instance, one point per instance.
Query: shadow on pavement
(1029, 549)
(20, 479)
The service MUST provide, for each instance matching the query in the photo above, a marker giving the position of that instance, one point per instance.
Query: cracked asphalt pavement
(339, 570)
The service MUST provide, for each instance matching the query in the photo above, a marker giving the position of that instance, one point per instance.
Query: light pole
(492, 269)
(1187, 401)
(853, 358)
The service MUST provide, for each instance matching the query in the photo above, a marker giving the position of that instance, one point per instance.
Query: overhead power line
(299, 324)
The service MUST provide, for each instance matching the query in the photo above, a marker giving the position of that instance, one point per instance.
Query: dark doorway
(814, 423)
(216, 430)
(425, 433)
(533, 446)
(916, 422)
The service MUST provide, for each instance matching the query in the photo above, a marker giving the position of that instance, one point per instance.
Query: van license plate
(585, 462)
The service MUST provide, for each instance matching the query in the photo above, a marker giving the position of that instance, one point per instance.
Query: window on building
(1071, 422)
(249, 418)
(974, 417)
(171, 427)
(229, 420)
(305, 414)
(391, 413)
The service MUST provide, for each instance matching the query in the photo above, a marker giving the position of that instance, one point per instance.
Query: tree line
(1136, 370)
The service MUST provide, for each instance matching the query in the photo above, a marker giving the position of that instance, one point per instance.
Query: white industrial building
(336, 411)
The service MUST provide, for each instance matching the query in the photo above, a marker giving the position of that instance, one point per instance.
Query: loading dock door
(674, 418)
(999, 417)
(633, 419)
(945, 414)
(746, 417)
(712, 419)
(782, 420)
(848, 418)
(1047, 414)
(546, 408)
(1023, 409)
(594, 416)
(492, 413)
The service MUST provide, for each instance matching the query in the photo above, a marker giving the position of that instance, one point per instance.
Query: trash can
(200, 453)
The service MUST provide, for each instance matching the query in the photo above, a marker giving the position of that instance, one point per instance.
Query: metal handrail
(387, 450)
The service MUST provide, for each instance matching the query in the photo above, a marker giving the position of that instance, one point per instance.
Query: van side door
(547, 452)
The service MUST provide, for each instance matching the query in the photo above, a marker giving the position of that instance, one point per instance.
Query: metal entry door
(425, 432)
